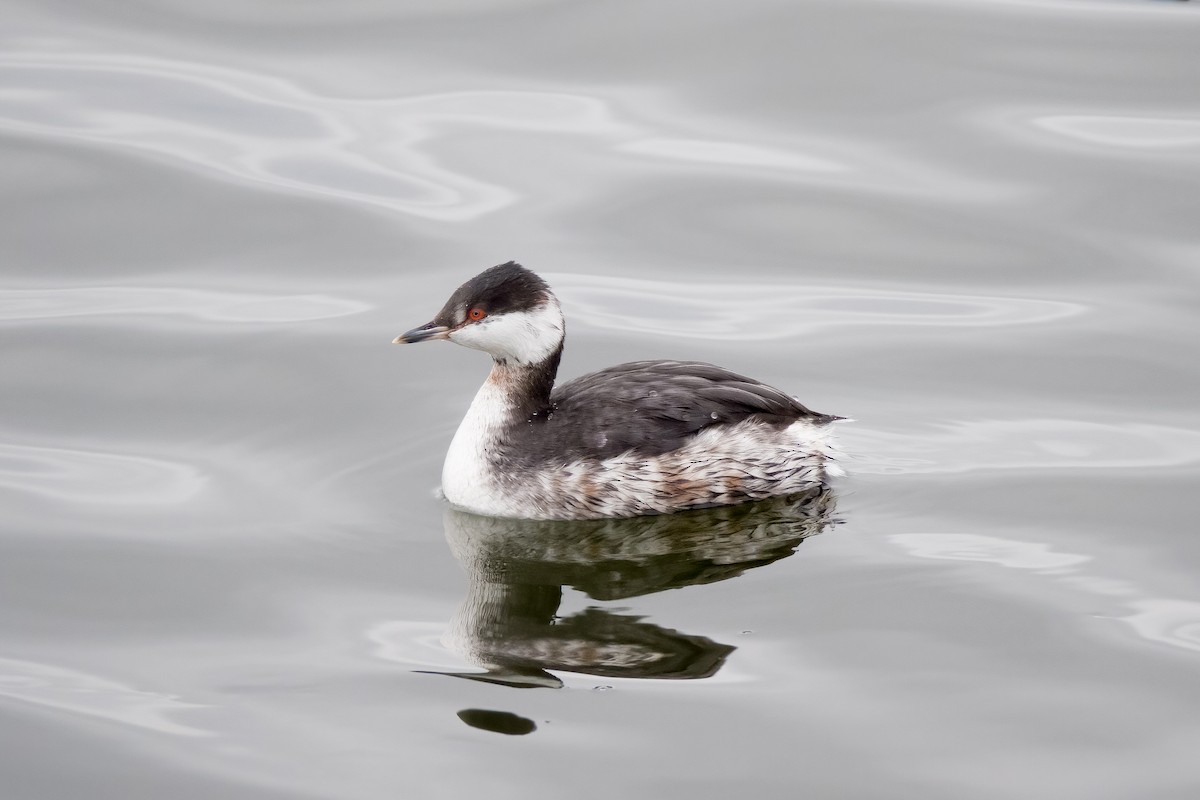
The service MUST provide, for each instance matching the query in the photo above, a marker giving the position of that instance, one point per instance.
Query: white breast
(467, 476)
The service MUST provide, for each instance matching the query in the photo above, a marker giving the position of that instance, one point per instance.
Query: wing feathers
(655, 406)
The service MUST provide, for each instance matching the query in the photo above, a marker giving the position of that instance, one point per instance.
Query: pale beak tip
(426, 333)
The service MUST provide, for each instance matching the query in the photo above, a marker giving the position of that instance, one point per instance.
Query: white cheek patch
(526, 337)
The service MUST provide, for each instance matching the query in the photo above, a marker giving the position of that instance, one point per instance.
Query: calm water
(971, 226)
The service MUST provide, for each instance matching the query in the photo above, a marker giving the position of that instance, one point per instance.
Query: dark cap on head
(502, 289)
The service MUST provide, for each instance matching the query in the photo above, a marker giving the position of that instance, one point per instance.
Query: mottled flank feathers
(720, 465)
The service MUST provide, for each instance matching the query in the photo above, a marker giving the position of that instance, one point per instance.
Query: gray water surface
(971, 226)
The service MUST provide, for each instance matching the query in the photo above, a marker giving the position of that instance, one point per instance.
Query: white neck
(467, 479)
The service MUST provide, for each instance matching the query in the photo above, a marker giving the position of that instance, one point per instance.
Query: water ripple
(1171, 622)
(1032, 444)
(257, 128)
(109, 479)
(740, 312)
(261, 129)
(972, 547)
(197, 304)
(414, 644)
(81, 693)
(1112, 132)
(731, 154)
(1124, 131)
(1166, 621)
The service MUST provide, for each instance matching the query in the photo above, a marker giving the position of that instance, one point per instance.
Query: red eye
(476, 313)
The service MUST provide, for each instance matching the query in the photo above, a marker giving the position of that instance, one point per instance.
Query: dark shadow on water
(504, 722)
(508, 622)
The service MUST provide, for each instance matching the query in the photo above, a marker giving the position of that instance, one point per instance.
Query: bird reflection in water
(508, 622)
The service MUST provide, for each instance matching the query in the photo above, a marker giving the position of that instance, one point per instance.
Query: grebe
(648, 437)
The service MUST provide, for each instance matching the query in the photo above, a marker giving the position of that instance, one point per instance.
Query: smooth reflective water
(970, 226)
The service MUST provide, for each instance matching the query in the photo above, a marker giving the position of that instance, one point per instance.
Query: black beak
(427, 332)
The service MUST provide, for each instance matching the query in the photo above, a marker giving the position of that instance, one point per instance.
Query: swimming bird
(647, 437)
